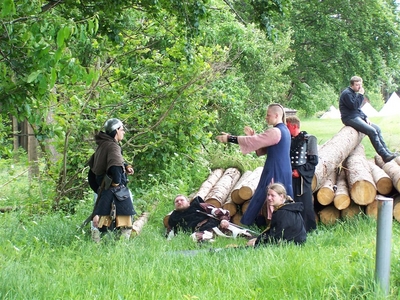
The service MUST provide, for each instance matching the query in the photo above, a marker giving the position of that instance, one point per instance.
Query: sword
(230, 223)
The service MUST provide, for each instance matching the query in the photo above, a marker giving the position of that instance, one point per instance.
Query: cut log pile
(345, 182)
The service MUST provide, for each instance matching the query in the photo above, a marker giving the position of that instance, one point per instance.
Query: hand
(129, 170)
(295, 173)
(367, 121)
(248, 130)
(95, 221)
(224, 224)
(361, 91)
(223, 138)
(251, 242)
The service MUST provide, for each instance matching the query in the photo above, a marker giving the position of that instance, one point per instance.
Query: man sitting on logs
(201, 219)
(350, 103)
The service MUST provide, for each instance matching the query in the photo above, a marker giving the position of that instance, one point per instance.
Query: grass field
(45, 256)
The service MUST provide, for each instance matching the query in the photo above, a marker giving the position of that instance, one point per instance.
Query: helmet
(112, 124)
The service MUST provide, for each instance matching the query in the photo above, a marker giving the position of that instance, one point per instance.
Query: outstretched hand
(223, 138)
(248, 130)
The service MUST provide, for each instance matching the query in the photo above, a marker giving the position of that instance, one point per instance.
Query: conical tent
(369, 110)
(391, 107)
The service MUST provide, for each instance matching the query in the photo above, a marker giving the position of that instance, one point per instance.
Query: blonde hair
(280, 190)
(355, 79)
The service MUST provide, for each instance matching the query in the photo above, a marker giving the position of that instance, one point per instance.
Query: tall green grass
(47, 258)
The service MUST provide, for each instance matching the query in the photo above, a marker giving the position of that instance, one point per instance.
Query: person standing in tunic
(107, 162)
(304, 159)
(275, 143)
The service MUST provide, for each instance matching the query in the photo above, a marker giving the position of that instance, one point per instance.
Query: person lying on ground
(203, 220)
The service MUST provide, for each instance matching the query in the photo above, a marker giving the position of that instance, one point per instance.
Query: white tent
(368, 109)
(332, 113)
(391, 107)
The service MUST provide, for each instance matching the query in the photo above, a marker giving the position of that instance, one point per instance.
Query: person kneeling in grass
(201, 219)
(286, 223)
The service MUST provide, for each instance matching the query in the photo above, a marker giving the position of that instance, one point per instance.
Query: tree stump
(207, 185)
(342, 198)
(329, 215)
(361, 183)
(333, 153)
(221, 190)
(250, 185)
(235, 191)
(383, 182)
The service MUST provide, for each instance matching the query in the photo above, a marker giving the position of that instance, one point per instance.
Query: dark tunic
(277, 168)
(302, 190)
(286, 225)
(190, 220)
(108, 160)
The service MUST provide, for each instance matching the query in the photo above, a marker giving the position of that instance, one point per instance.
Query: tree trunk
(361, 183)
(207, 185)
(333, 153)
(32, 152)
(329, 215)
(250, 185)
(137, 226)
(326, 193)
(221, 190)
(352, 210)
(235, 191)
(342, 198)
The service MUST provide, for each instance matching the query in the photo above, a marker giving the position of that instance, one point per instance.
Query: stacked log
(396, 208)
(361, 183)
(333, 153)
(342, 197)
(207, 185)
(384, 184)
(235, 191)
(221, 190)
(248, 187)
(326, 193)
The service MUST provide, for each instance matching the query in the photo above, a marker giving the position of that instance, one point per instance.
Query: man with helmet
(109, 176)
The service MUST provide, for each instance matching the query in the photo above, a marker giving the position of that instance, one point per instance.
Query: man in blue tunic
(275, 143)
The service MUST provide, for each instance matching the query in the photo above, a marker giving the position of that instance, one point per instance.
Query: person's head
(181, 202)
(275, 114)
(356, 83)
(276, 194)
(293, 124)
(114, 128)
